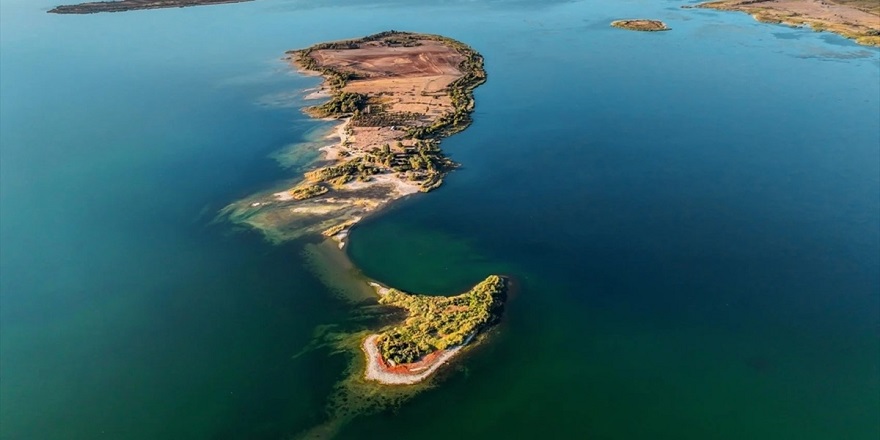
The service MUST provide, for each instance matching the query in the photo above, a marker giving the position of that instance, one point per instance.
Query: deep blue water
(692, 219)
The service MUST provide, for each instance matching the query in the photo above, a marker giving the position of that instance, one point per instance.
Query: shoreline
(378, 371)
(356, 286)
(860, 24)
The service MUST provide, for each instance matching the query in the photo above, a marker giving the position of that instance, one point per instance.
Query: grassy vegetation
(307, 191)
(336, 175)
(375, 114)
(438, 322)
(421, 162)
(396, 38)
(338, 228)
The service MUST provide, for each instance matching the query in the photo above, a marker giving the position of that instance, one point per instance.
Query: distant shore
(858, 20)
(134, 5)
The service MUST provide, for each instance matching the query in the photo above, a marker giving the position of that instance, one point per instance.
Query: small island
(435, 329)
(133, 5)
(858, 20)
(641, 24)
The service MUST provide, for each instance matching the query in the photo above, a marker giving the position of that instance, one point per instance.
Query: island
(858, 20)
(396, 95)
(641, 24)
(132, 5)
(435, 329)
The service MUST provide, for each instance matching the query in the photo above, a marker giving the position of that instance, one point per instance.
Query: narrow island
(396, 95)
(858, 20)
(133, 5)
(641, 24)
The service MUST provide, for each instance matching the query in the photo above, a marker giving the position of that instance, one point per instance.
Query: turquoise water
(692, 221)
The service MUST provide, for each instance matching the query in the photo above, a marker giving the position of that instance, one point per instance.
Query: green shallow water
(693, 231)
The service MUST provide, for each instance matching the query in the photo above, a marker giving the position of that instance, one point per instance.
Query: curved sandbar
(398, 94)
(641, 24)
(435, 330)
(858, 20)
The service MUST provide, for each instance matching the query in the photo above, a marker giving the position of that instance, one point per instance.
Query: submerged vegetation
(437, 322)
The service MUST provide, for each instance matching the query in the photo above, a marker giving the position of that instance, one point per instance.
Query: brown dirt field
(418, 94)
(430, 58)
(408, 79)
(364, 138)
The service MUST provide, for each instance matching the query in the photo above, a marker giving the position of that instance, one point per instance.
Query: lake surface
(691, 218)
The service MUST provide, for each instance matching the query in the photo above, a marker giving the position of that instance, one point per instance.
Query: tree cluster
(437, 322)
(343, 173)
(341, 104)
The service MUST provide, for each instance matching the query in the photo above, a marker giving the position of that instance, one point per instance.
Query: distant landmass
(855, 19)
(132, 5)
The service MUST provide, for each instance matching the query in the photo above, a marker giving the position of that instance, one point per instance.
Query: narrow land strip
(133, 5)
